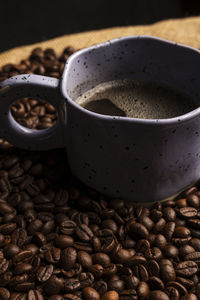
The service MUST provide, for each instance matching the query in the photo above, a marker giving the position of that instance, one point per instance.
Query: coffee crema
(136, 99)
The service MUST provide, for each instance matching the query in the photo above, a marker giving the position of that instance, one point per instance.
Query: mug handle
(36, 86)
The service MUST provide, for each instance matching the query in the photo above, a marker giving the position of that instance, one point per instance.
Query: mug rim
(167, 121)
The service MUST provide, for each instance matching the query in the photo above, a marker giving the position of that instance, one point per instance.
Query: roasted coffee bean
(158, 295)
(138, 230)
(10, 250)
(35, 295)
(156, 283)
(187, 212)
(160, 241)
(100, 286)
(44, 273)
(153, 268)
(181, 232)
(67, 227)
(167, 271)
(101, 258)
(116, 285)
(186, 268)
(111, 295)
(72, 285)
(182, 290)
(3, 265)
(54, 285)
(186, 249)
(143, 290)
(170, 251)
(68, 258)
(64, 241)
(84, 233)
(4, 294)
(84, 259)
(22, 268)
(173, 293)
(189, 284)
(91, 294)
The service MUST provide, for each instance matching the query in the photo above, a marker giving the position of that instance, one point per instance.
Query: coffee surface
(136, 99)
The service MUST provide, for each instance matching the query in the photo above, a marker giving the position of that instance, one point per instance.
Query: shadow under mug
(140, 160)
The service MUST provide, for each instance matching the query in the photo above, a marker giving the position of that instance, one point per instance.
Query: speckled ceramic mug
(140, 160)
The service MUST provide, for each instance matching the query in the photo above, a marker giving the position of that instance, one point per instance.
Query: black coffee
(136, 99)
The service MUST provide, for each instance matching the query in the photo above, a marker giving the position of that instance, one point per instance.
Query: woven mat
(186, 31)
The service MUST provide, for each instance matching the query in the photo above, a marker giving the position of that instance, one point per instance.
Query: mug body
(140, 160)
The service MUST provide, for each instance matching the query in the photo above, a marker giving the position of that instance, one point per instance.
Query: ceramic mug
(141, 160)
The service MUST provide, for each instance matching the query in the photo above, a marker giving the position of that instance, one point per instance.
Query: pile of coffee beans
(60, 240)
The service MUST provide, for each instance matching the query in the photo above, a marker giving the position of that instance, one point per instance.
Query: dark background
(25, 22)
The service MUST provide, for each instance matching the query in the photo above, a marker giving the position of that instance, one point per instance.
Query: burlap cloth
(186, 31)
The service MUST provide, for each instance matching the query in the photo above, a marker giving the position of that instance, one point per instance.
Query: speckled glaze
(140, 160)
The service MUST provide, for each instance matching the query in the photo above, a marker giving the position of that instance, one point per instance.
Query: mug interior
(137, 57)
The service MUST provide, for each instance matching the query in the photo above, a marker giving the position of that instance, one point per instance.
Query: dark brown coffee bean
(10, 250)
(186, 268)
(64, 241)
(181, 232)
(143, 290)
(68, 258)
(187, 212)
(170, 251)
(110, 295)
(137, 259)
(156, 283)
(4, 294)
(159, 226)
(8, 228)
(22, 268)
(138, 230)
(100, 286)
(35, 295)
(19, 236)
(189, 284)
(54, 285)
(101, 258)
(182, 290)
(84, 233)
(153, 268)
(91, 294)
(116, 285)
(167, 271)
(72, 285)
(194, 223)
(18, 296)
(153, 253)
(168, 230)
(67, 227)
(44, 273)
(160, 241)
(146, 221)
(158, 295)
(3, 265)
(169, 214)
(186, 249)
(193, 200)
(122, 256)
(173, 293)
(24, 286)
(195, 256)
(195, 243)
(84, 259)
